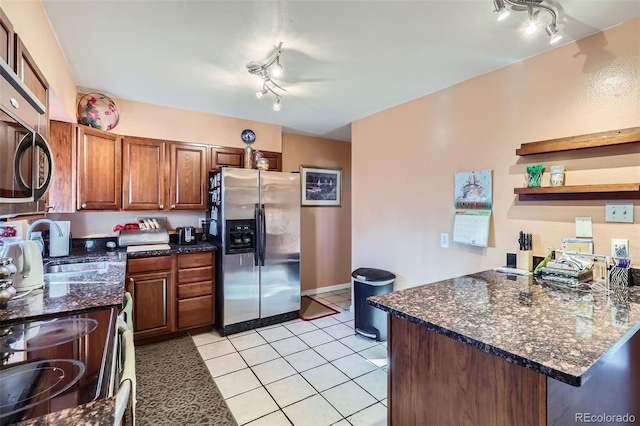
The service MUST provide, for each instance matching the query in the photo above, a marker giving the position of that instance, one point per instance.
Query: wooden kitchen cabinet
(275, 160)
(34, 79)
(6, 40)
(195, 298)
(62, 195)
(99, 168)
(188, 177)
(227, 157)
(163, 175)
(234, 157)
(150, 282)
(143, 174)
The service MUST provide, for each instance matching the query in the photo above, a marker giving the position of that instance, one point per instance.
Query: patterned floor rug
(174, 387)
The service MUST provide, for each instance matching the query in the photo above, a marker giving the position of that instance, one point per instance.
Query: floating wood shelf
(593, 140)
(581, 192)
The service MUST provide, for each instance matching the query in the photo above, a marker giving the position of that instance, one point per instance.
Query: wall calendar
(473, 201)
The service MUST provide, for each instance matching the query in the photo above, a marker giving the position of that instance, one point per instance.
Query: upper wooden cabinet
(275, 160)
(88, 169)
(163, 175)
(187, 177)
(6, 40)
(228, 157)
(33, 78)
(234, 157)
(143, 177)
(62, 140)
(99, 170)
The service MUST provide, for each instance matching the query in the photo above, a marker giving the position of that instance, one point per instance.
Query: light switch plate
(583, 227)
(622, 213)
(444, 240)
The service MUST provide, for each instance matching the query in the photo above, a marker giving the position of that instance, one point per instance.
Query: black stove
(54, 364)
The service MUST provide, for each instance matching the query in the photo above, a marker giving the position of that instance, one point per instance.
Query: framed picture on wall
(321, 187)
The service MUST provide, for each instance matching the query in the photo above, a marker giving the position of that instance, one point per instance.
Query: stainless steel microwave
(26, 161)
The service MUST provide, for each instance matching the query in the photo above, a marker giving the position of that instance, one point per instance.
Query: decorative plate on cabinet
(248, 136)
(98, 111)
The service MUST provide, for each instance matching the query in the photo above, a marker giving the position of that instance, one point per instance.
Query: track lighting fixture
(533, 7)
(265, 72)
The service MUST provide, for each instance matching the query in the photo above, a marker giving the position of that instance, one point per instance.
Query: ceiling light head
(276, 104)
(504, 14)
(552, 31)
(261, 93)
(277, 69)
(531, 28)
(555, 38)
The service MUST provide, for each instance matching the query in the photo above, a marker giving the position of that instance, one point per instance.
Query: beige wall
(31, 23)
(405, 158)
(160, 122)
(326, 231)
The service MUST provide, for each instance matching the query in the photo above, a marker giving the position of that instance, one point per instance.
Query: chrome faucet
(39, 221)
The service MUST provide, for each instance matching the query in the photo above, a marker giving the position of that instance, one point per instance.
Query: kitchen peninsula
(495, 349)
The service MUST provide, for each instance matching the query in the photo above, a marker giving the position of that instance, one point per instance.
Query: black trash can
(369, 321)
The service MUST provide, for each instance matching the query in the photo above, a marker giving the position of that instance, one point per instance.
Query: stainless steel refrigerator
(255, 222)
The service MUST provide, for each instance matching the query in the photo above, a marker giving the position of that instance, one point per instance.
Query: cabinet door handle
(173, 206)
(51, 208)
(131, 280)
(161, 206)
(83, 206)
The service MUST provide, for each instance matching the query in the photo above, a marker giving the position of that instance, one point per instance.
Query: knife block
(524, 260)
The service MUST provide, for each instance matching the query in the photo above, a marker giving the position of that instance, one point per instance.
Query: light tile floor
(301, 373)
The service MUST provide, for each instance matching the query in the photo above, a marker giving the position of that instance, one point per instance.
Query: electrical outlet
(444, 240)
(201, 221)
(619, 248)
(622, 213)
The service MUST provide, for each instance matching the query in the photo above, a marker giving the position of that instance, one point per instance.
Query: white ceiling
(343, 60)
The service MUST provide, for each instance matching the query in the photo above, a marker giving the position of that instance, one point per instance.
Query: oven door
(27, 166)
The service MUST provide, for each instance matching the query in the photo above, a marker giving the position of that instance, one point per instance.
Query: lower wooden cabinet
(153, 295)
(195, 290)
(195, 312)
(171, 293)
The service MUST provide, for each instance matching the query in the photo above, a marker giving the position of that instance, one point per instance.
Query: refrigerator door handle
(256, 242)
(263, 231)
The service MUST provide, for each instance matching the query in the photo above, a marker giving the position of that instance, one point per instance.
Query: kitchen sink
(77, 268)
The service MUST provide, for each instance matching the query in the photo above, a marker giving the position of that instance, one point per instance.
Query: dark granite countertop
(71, 293)
(201, 246)
(75, 293)
(562, 333)
(78, 253)
(96, 413)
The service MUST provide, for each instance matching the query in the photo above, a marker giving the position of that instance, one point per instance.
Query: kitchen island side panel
(436, 380)
(613, 390)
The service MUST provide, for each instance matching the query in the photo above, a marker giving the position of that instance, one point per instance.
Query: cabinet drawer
(186, 291)
(149, 264)
(195, 312)
(193, 275)
(193, 260)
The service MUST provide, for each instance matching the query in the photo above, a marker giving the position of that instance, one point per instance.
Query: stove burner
(41, 335)
(30, 384)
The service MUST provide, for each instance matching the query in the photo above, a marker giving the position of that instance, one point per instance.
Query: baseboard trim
(315, 291)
